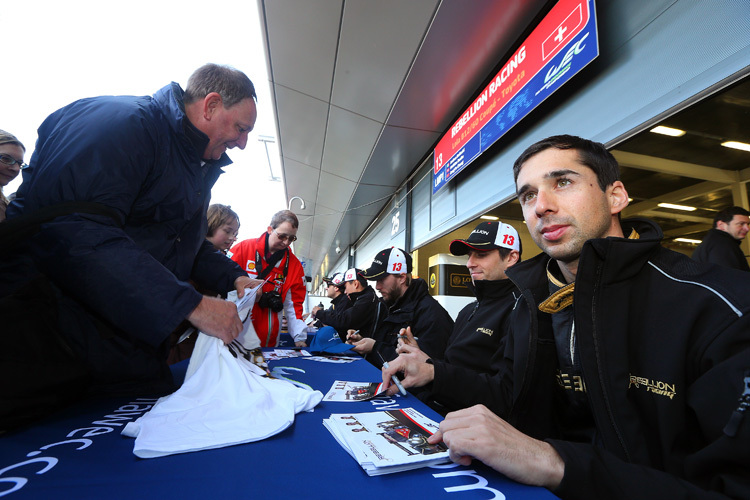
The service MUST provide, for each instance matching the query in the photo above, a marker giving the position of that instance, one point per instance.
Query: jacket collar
(341, 299)
(417, 289)
(718, 233)
(170, 100)
(624, 257)
(490, 289)
(363, 294)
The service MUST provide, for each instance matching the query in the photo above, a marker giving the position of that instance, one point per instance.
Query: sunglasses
(286, 237)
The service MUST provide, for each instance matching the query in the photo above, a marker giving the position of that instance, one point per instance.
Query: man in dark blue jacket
(626, 370)
(127, 181)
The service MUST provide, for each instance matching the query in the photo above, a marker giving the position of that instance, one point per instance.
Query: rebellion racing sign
(563, 43)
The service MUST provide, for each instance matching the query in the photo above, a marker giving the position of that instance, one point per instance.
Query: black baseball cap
(355, 274)
(488, 235)
(337, 279)
(389, 261)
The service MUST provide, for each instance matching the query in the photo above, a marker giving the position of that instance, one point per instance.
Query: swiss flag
(562, 32)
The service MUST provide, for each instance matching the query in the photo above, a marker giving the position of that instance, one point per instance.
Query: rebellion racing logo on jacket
(571, 382)
(653, 386)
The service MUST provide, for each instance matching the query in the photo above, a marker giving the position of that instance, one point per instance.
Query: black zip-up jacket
(475, 347)
(429, 322)
(333, 315)
(366, 309)
(720, 247)
(664, 344)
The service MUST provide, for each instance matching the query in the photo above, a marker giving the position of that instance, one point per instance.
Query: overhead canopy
(363, 90)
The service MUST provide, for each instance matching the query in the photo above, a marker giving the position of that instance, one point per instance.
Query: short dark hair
(592, 154)
(728, 214)
(284, 216)
(231, 84)
(504, 252)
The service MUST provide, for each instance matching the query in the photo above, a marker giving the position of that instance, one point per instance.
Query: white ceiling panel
(398, 151)
(369, 199)
(334, 193)
(301, 180)
(378, 43)
(301, 120)
(349, 141)
(303, 37)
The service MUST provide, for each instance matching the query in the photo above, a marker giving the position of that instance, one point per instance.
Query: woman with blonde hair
(11, 163)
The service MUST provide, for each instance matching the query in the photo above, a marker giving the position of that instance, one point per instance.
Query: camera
(271, 300)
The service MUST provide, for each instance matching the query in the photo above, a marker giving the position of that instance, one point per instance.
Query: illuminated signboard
(558, 48)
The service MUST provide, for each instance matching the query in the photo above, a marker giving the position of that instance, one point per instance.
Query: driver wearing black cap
(339, 303)
(448, 385)
(409, 305)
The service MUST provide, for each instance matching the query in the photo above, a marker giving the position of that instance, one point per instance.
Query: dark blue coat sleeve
(214, 270)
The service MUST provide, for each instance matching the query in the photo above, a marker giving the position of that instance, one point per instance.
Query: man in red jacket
(269, 258)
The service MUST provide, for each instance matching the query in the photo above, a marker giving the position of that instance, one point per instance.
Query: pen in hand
(393, 377)
(350, 336)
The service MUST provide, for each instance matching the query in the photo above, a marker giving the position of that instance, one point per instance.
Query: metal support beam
(687, 230)
(681, 168)
(675, 197)
(680, 217)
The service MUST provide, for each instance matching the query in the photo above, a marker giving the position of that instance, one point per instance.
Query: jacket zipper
(601, 374)
(533, 334)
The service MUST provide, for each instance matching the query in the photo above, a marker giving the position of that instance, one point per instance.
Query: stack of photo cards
(354, 391)
(277, 354)
(384, 442)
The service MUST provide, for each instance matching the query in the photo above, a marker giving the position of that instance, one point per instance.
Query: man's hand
(352, 336)
(243, 282)
(408, 345)
(315, 309)
(478, 433)
(406, 338)
(418, 373)
(216, 317)
(363, 346)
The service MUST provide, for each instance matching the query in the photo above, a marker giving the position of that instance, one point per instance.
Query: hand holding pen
(407, 342)
(353, 336)
(393, 377)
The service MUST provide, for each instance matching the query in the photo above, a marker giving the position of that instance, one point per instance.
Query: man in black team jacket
(480, 326)
(367, 309)
(409, 305)
(721, 245)
(627, 367)
(339, 303)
